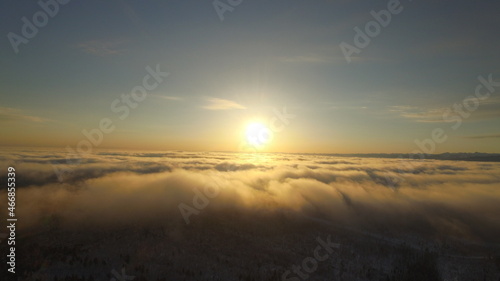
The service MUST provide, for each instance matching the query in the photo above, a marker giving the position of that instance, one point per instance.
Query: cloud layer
(436, 198)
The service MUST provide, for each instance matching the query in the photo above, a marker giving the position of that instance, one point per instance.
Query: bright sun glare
(257, 134)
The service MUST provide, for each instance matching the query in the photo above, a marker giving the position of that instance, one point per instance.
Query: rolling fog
(433, 198)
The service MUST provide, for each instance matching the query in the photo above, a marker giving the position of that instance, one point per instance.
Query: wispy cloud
(419, 114)
(102, 47)
(14, 114)
(494, 136)
(311, 58)
(447, 45)
(320, 59)
(343, 106)
(172, 98)
(487, 109)
(222, 104)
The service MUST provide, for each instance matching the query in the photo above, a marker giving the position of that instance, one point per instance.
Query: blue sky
(264, 55)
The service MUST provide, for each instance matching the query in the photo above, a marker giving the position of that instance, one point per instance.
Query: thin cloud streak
(222, 104)
(13, 114)
(495, 136)
(171, 98)
(102, 47)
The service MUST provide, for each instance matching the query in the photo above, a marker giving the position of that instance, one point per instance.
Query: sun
(257, 134)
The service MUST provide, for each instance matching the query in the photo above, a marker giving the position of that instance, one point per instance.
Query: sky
(230, 63)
